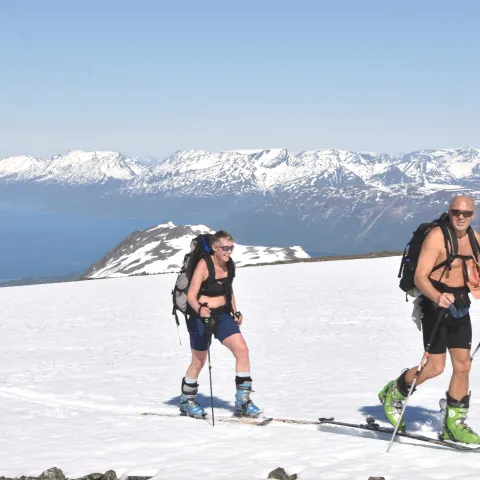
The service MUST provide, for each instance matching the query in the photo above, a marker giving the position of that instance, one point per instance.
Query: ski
(372, 426)
(258, 421)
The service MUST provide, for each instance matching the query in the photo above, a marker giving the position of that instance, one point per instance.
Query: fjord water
(35, 242)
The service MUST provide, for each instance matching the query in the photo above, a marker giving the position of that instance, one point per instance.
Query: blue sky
(152, 77)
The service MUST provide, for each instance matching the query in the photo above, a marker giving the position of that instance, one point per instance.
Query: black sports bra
(213, 289)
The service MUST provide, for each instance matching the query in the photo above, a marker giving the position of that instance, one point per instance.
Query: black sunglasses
(226, 249)
(465, 213)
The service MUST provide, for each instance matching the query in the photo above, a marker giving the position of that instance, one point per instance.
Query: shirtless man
(445, 288)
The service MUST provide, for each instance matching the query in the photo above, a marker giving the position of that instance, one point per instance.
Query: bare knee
(436, 368)
(462, 367)
(198, 362)
(241, 351)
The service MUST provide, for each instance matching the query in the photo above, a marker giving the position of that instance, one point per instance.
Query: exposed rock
(56, 474)
(110, 475)
(93, 476)
(52, 474)
(280, 474)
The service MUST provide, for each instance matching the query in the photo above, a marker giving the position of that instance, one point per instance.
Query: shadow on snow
(415, 417)
(204, 401)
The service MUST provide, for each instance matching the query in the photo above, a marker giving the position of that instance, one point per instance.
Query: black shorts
(451, 333)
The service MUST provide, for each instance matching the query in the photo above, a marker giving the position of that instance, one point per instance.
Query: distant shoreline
(19, 282)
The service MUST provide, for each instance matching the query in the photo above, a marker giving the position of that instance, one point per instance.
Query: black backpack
(200, 247)
(409, 261)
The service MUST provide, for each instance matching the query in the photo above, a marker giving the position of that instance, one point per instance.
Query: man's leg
(461, 364)
(395, 392)
(458, 400)
(434, 367)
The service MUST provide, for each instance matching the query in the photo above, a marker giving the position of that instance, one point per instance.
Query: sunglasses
(226, 249)
(465, 213)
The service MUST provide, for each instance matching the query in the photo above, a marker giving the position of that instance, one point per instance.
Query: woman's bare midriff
(213, 302)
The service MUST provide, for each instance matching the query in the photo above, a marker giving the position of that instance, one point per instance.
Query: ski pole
(475, 351)
(207, 321)
(211, 390)
(421, 365)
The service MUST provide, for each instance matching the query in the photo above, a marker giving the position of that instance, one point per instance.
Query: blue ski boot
(188, 404)
(244, 407)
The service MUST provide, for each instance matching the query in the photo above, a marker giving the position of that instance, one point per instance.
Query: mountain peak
(161, 249)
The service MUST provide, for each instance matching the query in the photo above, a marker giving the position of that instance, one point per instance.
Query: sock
(189, 388)
(191, 381)
(453, 402)
(242, 377)
(402, 385)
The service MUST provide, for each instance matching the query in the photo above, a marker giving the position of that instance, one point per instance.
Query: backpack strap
(228, 283)
(211, 268)
(231, 270)
(450, 238)
(473, 242)
(451, 248)
(475, 249)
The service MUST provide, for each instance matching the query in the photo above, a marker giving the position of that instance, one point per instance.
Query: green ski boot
(392, 399)
(454, 426)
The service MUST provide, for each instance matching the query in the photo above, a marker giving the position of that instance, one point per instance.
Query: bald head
(462, 202)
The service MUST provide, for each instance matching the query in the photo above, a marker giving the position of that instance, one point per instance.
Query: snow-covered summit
(328, 200)
(161, 249)
(247, 172)
(21, 168)
(73, 168)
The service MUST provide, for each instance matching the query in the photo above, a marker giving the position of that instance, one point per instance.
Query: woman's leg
(199, 358)
(237, 345)
(188, 403)
(243, 381)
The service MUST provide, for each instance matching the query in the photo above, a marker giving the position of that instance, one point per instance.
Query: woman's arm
(234, 303)
(236, 314)
(199, 275)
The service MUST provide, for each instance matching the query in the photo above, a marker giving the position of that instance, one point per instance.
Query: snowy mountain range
(243, 172)
(331, 200)
(161, 249)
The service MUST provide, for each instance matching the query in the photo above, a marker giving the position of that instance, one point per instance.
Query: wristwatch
(238, 314)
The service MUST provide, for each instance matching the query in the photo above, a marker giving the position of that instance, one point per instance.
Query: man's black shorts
(451, 333)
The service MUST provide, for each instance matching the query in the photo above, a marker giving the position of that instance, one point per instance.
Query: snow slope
(80, 361)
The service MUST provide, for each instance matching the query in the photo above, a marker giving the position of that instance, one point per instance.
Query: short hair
(221, 235)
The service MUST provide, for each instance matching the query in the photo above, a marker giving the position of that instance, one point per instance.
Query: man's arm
(432, 248)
